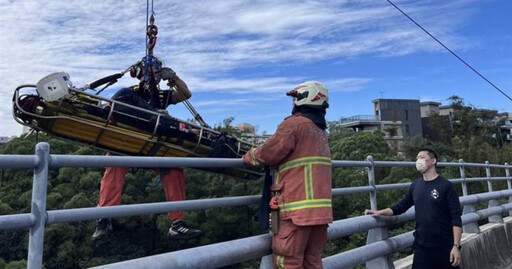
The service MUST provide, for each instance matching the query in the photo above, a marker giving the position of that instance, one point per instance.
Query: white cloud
(272, 85)
(346, 85)
(233, 85)
(206, 41)
(232, 102)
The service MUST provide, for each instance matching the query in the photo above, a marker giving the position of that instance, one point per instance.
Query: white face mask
(421, 166)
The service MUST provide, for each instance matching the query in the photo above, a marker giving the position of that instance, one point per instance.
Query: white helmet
(311, 93)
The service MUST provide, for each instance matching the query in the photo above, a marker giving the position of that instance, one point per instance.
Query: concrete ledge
(490, 249)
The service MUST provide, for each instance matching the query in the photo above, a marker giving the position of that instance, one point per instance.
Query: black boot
(103, 229)
(179, 230)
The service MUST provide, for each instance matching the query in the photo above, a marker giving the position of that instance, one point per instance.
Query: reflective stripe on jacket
(300, 151)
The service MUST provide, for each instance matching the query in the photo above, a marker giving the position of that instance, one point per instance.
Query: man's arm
(454, 206)
(455, 213)
(457, 233)
(182, 92)
(402, 206)
(377, 213)
(275, 148)
(455, 257)
(406, 202)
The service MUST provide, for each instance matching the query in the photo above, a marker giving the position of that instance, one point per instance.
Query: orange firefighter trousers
(297, 247)
(112, 185)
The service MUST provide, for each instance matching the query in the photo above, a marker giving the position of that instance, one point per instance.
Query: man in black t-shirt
(438, 216)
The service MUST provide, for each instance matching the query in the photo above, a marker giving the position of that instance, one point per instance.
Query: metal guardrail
(375, 253)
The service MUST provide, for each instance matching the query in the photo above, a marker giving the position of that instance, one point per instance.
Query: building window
(407, 129)
(407, 115)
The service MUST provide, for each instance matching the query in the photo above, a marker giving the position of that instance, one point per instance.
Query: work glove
(168, 73)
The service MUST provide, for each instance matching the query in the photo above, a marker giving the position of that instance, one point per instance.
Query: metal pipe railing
(18, 161)
(359, 255)
(17, 221)
(234, 251)
(83, 214)
(231, 252)
(91, 213)
(210, 256)
(58, 161)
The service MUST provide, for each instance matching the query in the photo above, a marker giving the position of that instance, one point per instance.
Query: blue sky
(240, 57)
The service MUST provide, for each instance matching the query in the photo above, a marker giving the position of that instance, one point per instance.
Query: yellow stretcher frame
(69, 119)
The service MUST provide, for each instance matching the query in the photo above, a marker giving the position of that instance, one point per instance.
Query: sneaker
(103, 229)
(179, 230)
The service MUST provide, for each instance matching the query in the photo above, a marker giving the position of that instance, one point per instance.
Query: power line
(453, 53)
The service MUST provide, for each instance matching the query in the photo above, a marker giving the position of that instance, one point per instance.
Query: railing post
(371, 182)
(267, 262)
(39, 185)
(509, 184)
(494, 202)
(376, 234)
(473, 226)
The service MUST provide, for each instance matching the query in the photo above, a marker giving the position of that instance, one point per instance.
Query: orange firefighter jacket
(300, 151)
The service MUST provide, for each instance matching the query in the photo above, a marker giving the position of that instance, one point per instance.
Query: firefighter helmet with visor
(310, 93)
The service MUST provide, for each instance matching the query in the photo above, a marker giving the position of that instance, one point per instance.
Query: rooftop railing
(360, 118)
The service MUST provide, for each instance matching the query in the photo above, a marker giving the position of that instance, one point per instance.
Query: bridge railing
(375, 253)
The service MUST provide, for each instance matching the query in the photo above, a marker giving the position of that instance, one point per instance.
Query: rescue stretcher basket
(124, 129)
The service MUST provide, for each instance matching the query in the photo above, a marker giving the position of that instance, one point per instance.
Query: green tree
(411, 146)
(359, 146)
(22, 264)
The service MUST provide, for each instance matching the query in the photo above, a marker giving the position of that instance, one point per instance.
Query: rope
(189, 106)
